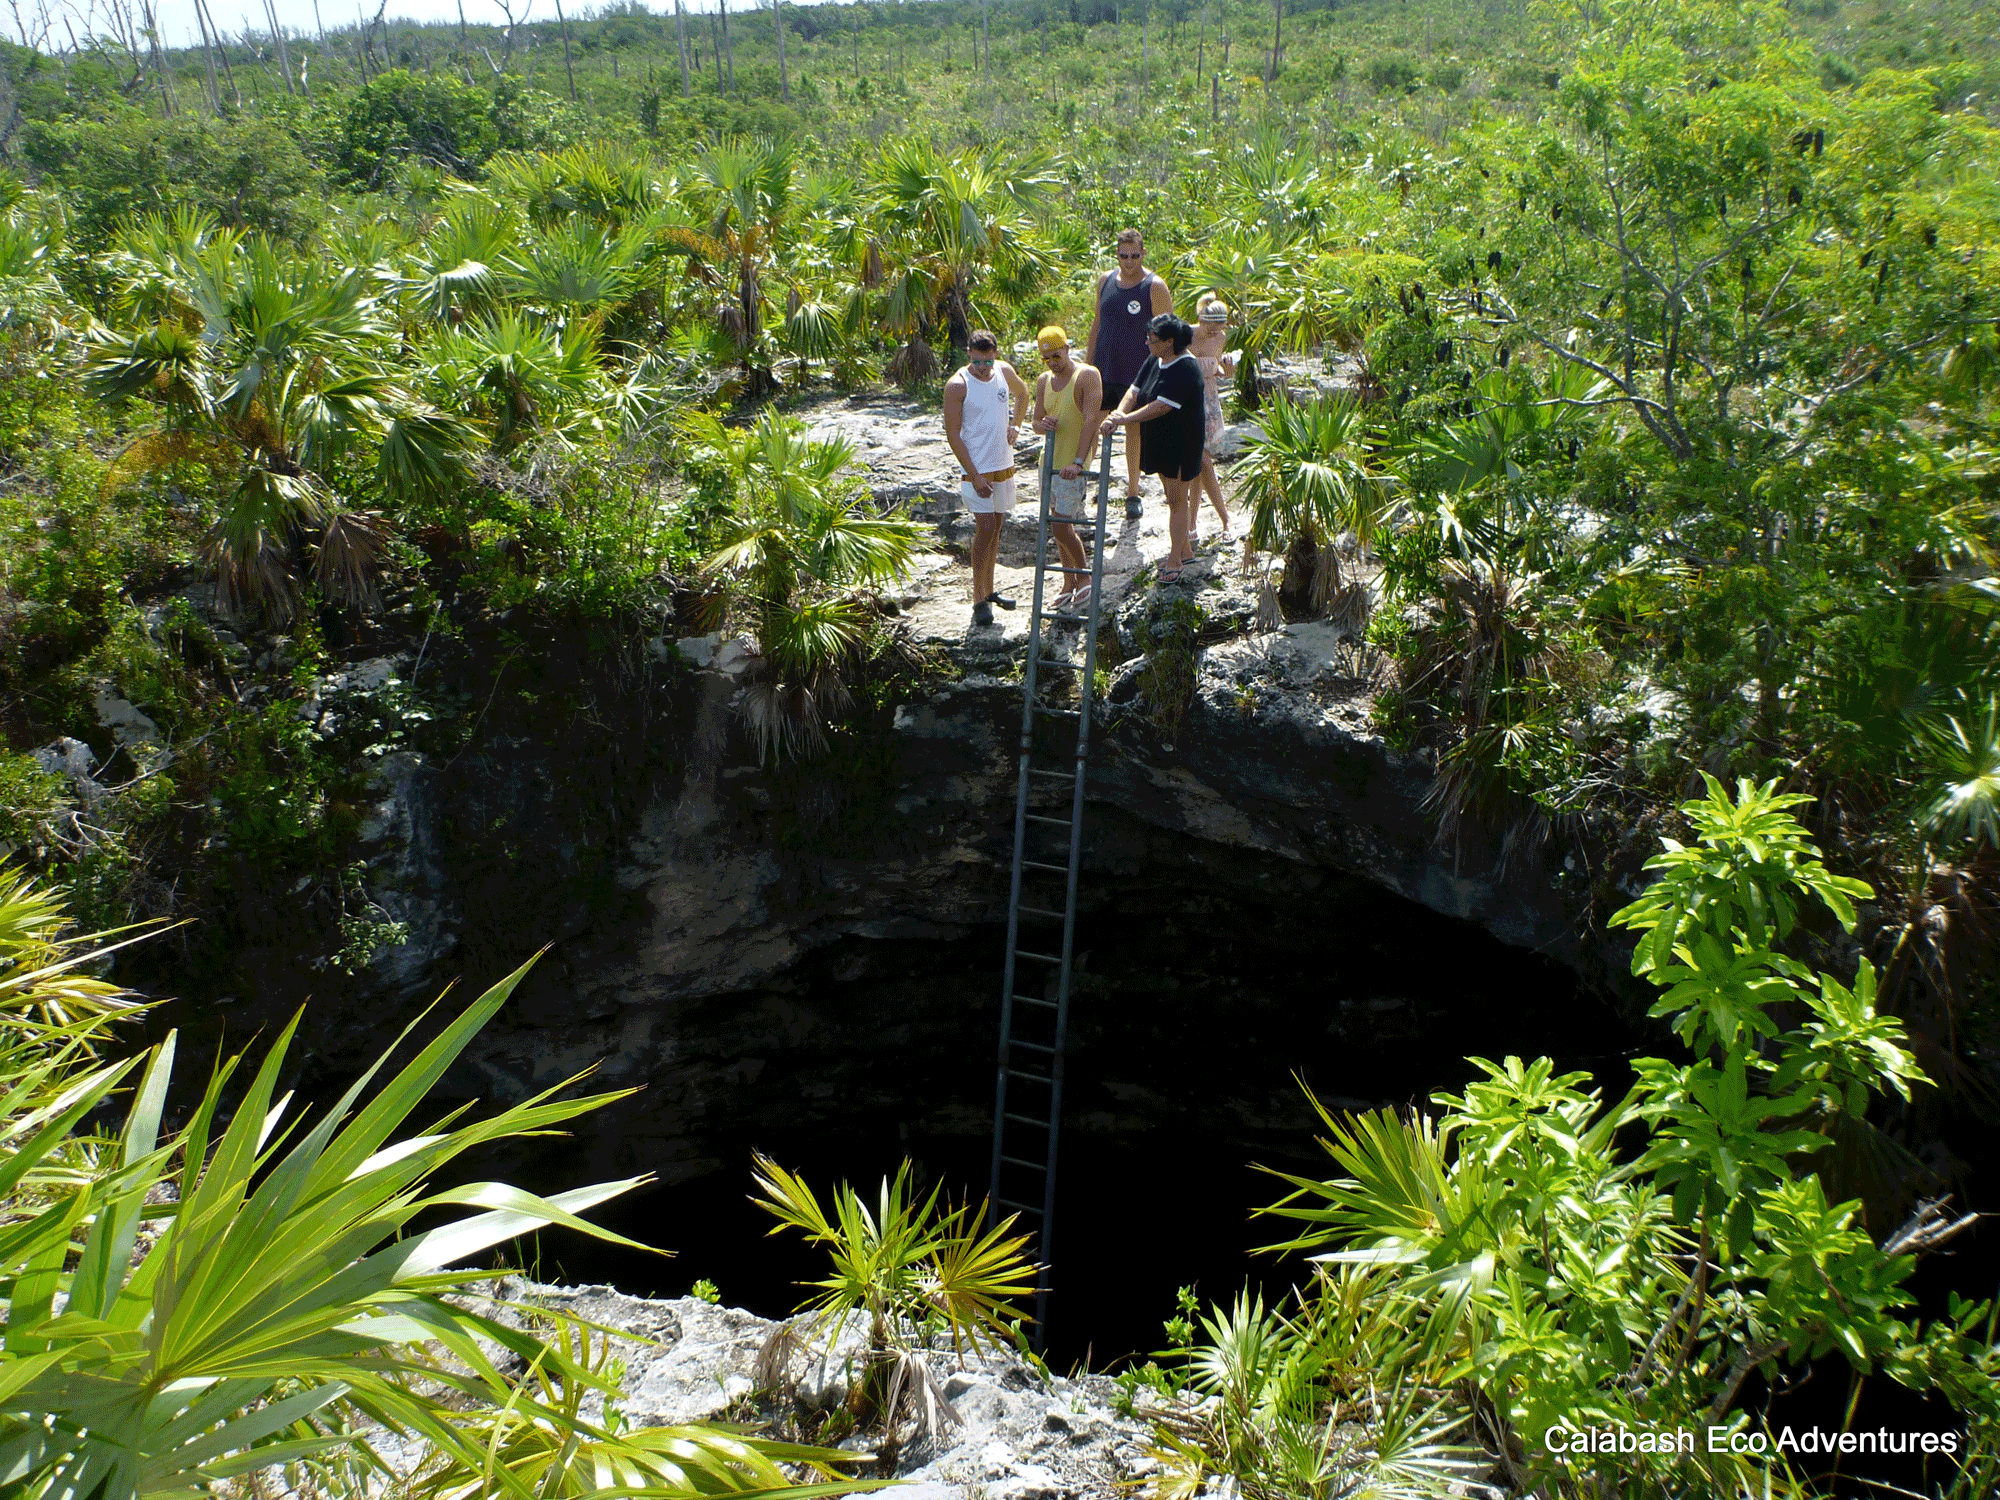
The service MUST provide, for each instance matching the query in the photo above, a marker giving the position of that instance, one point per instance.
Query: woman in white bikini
(1211, 334)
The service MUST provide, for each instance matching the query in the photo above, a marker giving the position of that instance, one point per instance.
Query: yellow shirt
(1061, 404)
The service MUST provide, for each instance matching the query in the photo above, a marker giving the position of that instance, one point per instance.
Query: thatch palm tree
(277, 372)
(796, 568)
(959, 244)
(524, 377)
(1288, 297)
(1307, 479)
(743, 210)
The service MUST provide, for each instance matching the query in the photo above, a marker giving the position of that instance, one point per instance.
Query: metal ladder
(1027, 1122)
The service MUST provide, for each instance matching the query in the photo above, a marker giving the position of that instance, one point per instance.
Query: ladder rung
(1026, 1208)
(1046, 958)
(1031, 1000)
(1036, 911)
(1050, 661)
(1052, 822)
(1032, 1166)
(1032, 1077)
(1065, 775)
(1015, 1041)
(1032, 864)
(1057, 614)
(1028, 1120)
(1056, 713)
(1046, 566)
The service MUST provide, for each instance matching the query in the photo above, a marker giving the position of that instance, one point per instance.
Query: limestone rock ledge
(1013, 1435)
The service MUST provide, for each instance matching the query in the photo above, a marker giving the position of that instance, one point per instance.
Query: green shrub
(1393, 74)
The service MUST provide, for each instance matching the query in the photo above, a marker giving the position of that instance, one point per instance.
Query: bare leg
(1076, 580)
(985, 551)
(1180, 520)
(1131, 459)
(1212, 487)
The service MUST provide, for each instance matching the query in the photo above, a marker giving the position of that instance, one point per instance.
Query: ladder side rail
(1005, 1049)
(1056, 1070)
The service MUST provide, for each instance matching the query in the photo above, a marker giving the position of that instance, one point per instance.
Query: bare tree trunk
(985, 43)
(1146, 46)
(563, 22)
(1277, 37)
(208, 60)
(728, 47)
(152, 21)
(778, 29)
(681, 34)
(278, 41)
(715, 47)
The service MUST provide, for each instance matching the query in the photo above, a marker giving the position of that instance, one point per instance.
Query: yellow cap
(1051, 337)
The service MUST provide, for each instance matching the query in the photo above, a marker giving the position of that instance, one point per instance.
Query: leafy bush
(246, 1292)
(1393, 74)
(249, 174)
(1514, 1249)
(400, 115)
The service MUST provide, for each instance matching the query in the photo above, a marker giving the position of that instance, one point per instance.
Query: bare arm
(1018, 389)
(1089, 401)
(1163, 300)
(1125, 417)
(1043, 421)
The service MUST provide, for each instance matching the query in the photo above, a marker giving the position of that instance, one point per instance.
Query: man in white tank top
(983, 407)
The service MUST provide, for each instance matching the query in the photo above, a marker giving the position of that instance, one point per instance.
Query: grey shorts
(1065, 498)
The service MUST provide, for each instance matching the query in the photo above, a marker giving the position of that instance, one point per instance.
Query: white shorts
(998, 503)
(1065, 498)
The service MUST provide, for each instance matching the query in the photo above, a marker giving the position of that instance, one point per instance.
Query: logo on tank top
(1132, 306)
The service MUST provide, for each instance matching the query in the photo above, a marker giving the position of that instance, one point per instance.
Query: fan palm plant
(600, 183)
(1964, 763)
(912, 1268)
(959, 244)
(1289, 297)
(522, 376)
(796, 565)
(574, 269)
(453, 271)
(1308, 478)
(278, 373)
(741, 197)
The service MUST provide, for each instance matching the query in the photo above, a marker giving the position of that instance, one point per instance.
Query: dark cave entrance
(1197, 1014)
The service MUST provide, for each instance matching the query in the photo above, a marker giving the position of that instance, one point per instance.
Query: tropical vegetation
(247, 1292)
(1622, 381)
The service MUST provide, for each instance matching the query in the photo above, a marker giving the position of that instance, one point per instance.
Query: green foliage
(1516, 1249)
(244, 1292)
(914, 1269)
(401, 116)
(249, 174)
(797, 560)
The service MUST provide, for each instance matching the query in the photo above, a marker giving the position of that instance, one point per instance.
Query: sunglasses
(982, 363)
(1052, 353)
(1139, 255)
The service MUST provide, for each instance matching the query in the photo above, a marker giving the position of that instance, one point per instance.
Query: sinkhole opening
(1198, 1020)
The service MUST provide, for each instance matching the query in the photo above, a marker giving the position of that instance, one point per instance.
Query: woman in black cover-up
(1166, 401)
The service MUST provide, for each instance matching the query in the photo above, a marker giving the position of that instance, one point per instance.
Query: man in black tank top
(1128, 300)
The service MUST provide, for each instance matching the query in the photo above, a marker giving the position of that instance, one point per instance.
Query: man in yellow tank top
(1069, 403)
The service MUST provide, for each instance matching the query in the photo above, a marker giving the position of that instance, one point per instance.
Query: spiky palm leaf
(1309, 476)
(1963, 756)
(283, 1282)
